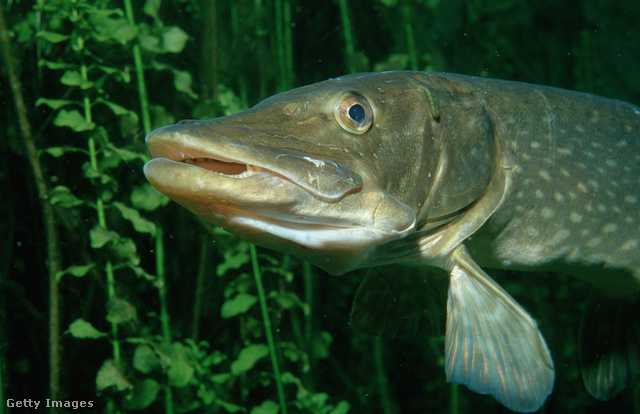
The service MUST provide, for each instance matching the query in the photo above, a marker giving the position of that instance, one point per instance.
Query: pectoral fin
(400, 302)
(492, 345)
(609, 344)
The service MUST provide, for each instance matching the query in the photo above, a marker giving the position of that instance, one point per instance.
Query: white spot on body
(595, 242)
(545, 175)
(560, 236)
(575, 217)
(630, 244)
(611, 163)
(531, 231)
(547, 213)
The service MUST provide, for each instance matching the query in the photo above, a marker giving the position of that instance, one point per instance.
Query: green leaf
(182, 81)
(74, 120)
(174, 39)
(121, 311)
(149, 43)
(220, 378)
(207, 396)
(289, 300)
(75, 270)
(240, 303)
(56, 65)
(321, 344)
(144, 393)
(248, 357)
(71, 78)
(128, 155)
(52, 36)
(24, 31)
(140, 224)
(100, 236)
(234, 258)
(146, 197)
(54, 103)
(62, 196)
(180, 371)
(267, 407)
(151, 8)
(112, 28)
(60, 151)
(343, 407)
(126, 250)
(83, 329)
(160, 116)
(145, 359)
(214, 358)
(231, 408)
(117, 109)
(110, 376)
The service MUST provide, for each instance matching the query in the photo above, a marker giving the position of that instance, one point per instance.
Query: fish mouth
(228, 168)
(218, 165)
(182, 146)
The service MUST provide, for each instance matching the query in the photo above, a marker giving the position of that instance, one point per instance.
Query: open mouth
(228, 168)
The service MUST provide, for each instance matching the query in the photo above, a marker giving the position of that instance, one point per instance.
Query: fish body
(445, 171)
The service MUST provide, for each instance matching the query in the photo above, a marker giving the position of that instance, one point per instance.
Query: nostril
(187, 121)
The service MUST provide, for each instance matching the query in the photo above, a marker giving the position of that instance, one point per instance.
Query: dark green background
(232, 56)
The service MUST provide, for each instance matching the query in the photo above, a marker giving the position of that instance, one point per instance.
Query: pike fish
(436, 170)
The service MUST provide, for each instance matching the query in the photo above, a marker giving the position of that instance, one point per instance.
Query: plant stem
(199, 292)
(267, 327)
(280, 50)
(159, 247)
(164, 314)
(382, 377)
(454, 399)
(53, 255)
(102, 221)
(142, 88)
(411, 45)
(308, 298)
(348, 37)
(288, 41)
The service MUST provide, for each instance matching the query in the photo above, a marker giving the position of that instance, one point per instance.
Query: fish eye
(354, 113)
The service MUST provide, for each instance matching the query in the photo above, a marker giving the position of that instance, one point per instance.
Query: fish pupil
(356, 113)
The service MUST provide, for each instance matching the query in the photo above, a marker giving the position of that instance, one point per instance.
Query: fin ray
(609, 345)
(492, 345)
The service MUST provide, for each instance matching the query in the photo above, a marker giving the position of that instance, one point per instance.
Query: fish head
(324, 172)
